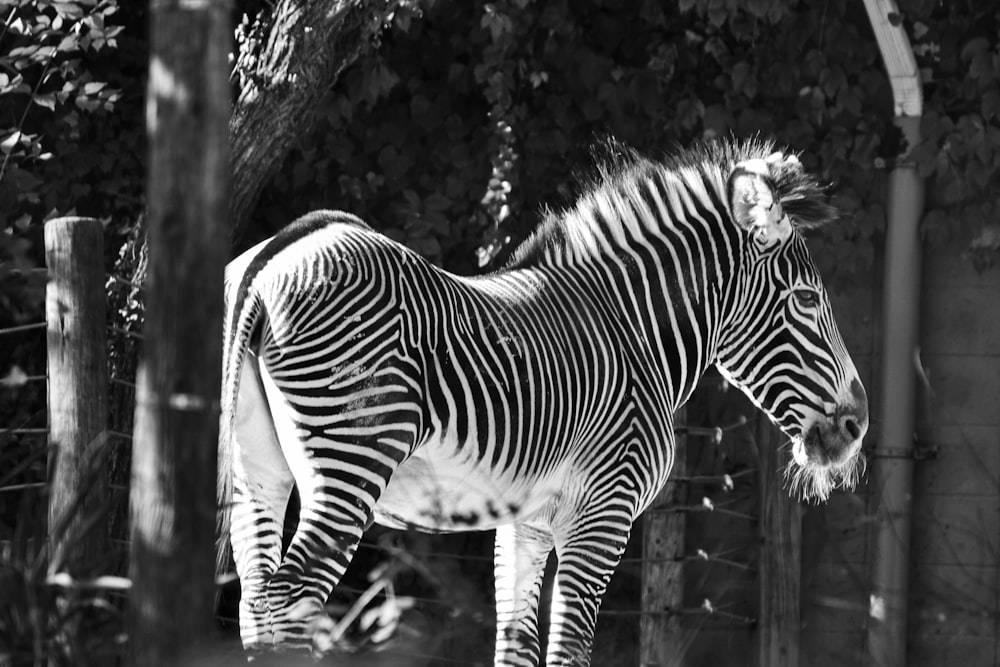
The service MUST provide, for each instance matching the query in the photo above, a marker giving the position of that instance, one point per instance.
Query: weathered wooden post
(661, 637)
(174, 444)
(780, 554)
(78, 376)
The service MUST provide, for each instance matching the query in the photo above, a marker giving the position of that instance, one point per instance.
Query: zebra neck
(662, 314)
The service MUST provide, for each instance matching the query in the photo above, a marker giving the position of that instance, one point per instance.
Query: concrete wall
(955, 562)
(955, 546)
(954, 584)
(955, 551)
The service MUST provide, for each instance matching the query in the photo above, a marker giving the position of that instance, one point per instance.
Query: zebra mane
(622, 173)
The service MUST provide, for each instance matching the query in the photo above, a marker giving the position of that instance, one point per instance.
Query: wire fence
(14, 377)
(716, 493)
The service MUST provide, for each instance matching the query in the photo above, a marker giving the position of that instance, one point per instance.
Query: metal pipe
(893, 464)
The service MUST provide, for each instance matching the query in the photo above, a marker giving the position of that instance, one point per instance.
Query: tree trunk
(303, 47)
(177, 399)
(78, 372)
(283, 77)
(661, 635)
(780, 554)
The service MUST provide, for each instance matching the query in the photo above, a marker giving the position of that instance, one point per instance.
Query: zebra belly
(434, 492)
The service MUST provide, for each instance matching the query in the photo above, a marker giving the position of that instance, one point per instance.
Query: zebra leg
(262, 485)
(588, 553)
(341, 465)
(519, 564)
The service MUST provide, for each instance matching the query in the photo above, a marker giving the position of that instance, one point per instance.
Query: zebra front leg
(262, 485)
(519, 564)
(588, 552)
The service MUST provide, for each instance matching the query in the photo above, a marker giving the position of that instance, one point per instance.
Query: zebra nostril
(851, 427)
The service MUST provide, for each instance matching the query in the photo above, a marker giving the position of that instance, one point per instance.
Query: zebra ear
(755, 206)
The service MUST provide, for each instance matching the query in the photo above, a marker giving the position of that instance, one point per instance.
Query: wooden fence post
(78, 375)
(173, 501)
(661, 637)
(780, 554)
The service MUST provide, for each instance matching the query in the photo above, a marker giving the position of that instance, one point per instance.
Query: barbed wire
(715, 434)
(20, 328)
(25, 431)
(23, 327)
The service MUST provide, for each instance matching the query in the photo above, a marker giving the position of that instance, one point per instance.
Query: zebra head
(780, 343)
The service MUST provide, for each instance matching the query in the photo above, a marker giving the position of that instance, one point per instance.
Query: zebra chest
(436, 491)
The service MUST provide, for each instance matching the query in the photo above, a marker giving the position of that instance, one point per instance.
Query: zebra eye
(807, 297)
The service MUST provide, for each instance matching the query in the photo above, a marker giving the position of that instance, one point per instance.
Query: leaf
(16, 377)
(68, 9)
(402, 20)
(87, 104)
(981, 67)
(437, 202)
(95, 23)
(47, 100)
(428, 246)
(8, 143)
(20, 51)
(23, 180)
(742, 78)
(13, 86)
(974, 47)
(412, 199)
(690, 112)
(438, 223)
(44, 53)
(68, 44)
(934, 225)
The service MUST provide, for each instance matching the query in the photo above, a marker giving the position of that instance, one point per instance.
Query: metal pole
(893, 465)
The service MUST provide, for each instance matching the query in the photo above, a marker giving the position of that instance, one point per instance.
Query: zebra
(537, 400)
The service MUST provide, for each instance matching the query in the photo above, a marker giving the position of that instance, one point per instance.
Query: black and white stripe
(537, 400)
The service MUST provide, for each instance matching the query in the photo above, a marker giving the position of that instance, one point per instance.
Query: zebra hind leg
(341, 467)
(588, 554)
(262, 484)
(519, 564)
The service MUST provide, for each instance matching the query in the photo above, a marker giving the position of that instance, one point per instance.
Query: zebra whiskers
(814, 482)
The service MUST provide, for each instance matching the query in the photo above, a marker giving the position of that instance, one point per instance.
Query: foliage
(53, 618)
(62, 64)
(409, 157)
(496, 105)
(71, 133)
(958, 49)
(471, 117)
(45, 85)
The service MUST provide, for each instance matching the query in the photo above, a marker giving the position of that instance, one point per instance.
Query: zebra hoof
(266, 626)
(256, 630)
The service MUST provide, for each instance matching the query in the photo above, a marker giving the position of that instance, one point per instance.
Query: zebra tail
(241, 321)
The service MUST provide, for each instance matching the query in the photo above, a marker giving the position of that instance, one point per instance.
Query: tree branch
(308, 44)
